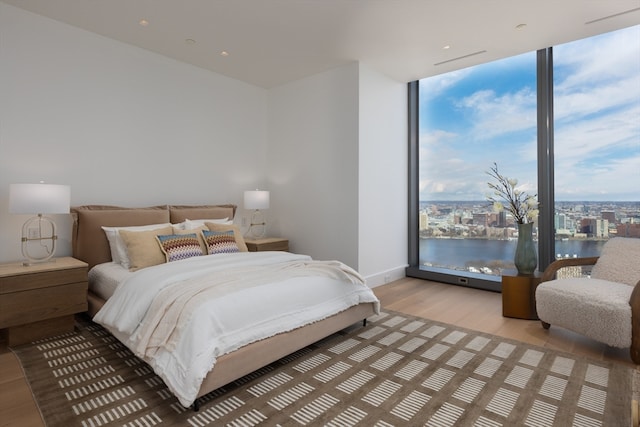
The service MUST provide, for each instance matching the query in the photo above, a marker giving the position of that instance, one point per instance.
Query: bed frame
(90, 245)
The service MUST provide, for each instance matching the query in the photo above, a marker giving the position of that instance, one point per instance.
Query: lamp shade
(39, 198)
(256, 199)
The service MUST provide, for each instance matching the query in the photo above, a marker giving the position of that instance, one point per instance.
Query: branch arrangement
(522, 206)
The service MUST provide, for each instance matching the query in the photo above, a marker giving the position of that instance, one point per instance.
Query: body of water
(461, 253)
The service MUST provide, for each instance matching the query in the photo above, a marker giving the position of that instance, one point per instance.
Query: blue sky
(484, 114)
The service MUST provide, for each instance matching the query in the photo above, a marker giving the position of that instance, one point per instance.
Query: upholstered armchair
(605, 306)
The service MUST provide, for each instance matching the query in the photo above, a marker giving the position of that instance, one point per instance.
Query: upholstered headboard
(90, 244)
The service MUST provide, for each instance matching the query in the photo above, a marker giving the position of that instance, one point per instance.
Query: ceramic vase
(526, 259)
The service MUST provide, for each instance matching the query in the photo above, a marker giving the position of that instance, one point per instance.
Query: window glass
(597, 141)
(469, 120)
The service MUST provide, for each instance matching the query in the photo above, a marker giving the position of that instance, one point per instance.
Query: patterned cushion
(197, 231)
(219, 242)
(242, 246)
(179, 246)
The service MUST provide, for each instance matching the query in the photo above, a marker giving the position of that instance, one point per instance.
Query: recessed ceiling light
(446, 47)
(190, 41)
(520, 26)
(224, 53)
(143, 22)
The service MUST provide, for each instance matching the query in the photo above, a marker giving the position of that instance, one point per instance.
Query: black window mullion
(546, 231)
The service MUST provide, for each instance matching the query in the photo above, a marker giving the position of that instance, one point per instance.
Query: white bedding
(105, 278)
(264, 303)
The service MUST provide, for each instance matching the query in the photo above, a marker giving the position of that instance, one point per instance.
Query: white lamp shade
(256, 199)
(39, 198)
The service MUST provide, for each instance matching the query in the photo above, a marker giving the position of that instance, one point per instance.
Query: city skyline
(440, 216)
(487, 114)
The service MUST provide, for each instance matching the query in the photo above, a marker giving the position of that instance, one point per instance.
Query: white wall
(382, 189)
(125, 126)
(313, 164)
(337, 141)
(119, 124)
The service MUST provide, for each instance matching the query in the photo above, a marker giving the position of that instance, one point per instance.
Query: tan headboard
(90, 244)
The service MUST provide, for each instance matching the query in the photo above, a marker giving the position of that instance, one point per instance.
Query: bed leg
(364, 322)
(196, 405)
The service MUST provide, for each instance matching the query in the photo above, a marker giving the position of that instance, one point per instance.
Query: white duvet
(181, 316)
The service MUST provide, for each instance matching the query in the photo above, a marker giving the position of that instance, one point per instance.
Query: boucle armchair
(604, 307)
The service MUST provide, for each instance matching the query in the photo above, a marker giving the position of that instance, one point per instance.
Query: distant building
(502, 219)
(560, 221)
(595, 227)
(424, 220)
(628, 230)
(609, 216)
(481, 219)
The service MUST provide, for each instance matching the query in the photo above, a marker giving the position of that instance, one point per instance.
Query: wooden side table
(519, 295)
(267, 244)
(40, 300)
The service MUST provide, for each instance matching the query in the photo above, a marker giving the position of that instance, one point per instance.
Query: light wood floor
(469, 308)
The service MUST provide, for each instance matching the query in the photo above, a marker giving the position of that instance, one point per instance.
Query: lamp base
(35, 225)
(29, 263)
(257, 220)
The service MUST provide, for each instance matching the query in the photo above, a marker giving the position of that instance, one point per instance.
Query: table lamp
(256, 200)
(39, 199)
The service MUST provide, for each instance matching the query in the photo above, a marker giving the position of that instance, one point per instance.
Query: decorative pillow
(197, 231)
(242, 246)
(220, 242)
(142, 247)
(117, 246)
(179, 246)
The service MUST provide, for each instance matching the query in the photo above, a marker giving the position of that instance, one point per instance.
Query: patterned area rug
(399, 370)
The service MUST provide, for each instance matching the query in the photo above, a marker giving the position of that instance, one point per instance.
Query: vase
(526, 259)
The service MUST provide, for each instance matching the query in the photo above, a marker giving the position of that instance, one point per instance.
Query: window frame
(546, 241)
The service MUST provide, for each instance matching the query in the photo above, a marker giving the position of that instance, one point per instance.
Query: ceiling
(271, 42)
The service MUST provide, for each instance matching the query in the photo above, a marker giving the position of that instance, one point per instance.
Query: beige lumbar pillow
(142, 247)
(242, 246)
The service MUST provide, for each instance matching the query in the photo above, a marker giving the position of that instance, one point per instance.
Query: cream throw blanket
(172, 308)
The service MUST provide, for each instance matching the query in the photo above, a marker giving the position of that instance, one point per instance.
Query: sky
(474, 117)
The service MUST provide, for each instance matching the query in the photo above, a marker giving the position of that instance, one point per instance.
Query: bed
(91, 225)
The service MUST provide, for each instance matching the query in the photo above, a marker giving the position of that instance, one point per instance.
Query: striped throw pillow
(220, 242)
(179, 246)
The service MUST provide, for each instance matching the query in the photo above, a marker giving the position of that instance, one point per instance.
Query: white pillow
(191, 224)
(117, 245)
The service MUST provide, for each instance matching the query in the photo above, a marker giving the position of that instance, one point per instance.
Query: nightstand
(40, 300)
(519, 295)
(267, 244)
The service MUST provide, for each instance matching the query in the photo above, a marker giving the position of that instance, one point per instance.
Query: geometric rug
(399, 370)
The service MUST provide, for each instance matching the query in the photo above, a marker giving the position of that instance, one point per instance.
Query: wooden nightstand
(40, 300)
(519, 295)
(267, 244)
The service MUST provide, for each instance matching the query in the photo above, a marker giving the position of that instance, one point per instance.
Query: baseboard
(386, 276)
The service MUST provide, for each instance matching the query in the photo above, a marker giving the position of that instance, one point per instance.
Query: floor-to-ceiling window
(597, 141)
(469, 119)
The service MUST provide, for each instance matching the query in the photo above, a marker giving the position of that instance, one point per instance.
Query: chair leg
(634, 301)
(545, 324)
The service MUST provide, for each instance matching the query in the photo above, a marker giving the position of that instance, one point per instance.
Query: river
(460, 253)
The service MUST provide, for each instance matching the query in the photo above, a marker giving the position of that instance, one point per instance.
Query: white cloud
(498, 115)
(434, 86)
(597, 128)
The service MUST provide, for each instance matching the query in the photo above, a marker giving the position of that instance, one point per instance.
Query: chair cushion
(598, 309)
(619, 261)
